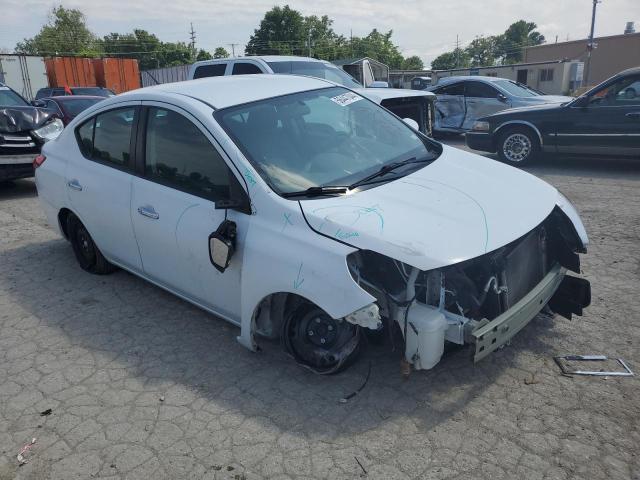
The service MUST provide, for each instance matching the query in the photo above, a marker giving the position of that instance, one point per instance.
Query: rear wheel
(87, 253)
(319, 342)
(518, 146)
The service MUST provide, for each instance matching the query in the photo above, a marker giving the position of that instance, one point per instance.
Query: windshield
(316, 69)
(73, 106)
(97, 91)
(516, 89)
(323, 137)
(9, 98)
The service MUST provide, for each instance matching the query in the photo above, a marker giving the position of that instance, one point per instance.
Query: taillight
(39, 160)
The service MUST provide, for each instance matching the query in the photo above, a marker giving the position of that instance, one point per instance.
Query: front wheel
(318, 342)
(87, 253)
(518, 146)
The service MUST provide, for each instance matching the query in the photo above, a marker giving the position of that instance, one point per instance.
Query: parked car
(604, 120)
(420, 83)
(23, 130)
(299, 210)
(462, 100)
(68, 107)
(417, 105)
(62, 91)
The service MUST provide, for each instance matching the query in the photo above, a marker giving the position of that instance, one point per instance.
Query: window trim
(141, 147)
(129, 165)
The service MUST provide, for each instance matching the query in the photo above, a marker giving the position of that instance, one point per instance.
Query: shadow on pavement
(18, 189)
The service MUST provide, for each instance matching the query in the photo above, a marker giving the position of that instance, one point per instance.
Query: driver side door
(450, 107)
(609, 123)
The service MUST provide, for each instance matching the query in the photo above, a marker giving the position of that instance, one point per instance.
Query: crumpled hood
(20, 119)
(459, 207)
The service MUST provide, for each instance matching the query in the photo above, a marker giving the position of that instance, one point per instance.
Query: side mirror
(582, 101)
(379, 84)
(412, 123)
(222, 245)
(38, 103)
(502, 98)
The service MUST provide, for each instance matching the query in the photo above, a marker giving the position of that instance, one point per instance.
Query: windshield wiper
(317, 192)
(386, 169)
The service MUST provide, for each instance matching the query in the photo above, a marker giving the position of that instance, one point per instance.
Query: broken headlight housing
(49, 131)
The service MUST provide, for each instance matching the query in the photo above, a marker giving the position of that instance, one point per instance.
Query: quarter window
(179, 155)
(213, 70)
(107, 136)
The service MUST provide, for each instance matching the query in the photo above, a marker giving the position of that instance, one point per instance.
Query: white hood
(459, 207)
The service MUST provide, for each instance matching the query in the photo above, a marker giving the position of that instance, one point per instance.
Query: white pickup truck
(407, 104)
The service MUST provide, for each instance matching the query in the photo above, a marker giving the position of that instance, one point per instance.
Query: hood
(20, 119)
(459, 207)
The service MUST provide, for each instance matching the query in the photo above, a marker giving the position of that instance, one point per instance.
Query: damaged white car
(299, 210)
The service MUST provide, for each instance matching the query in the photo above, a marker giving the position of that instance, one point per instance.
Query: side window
(480, 90)
(241, 68)
(179, 155)
(453, 89)
(214, 70)
(623, 93)
(107, 136)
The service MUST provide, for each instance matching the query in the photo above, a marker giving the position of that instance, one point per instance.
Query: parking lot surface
(143, 385)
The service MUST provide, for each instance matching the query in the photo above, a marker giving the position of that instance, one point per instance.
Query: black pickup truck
(23, 130)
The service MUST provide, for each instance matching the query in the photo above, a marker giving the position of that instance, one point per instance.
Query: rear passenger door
(98, 179)
(182, 172)
(480, 99)
(450, 107)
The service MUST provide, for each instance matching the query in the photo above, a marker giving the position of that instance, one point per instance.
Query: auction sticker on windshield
(346, 98)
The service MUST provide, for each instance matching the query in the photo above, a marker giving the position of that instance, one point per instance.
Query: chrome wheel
(517, 147)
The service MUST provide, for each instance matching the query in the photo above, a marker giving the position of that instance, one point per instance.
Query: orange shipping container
(118, 74)
(70, 71)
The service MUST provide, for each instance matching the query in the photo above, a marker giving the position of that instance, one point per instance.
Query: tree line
(503, 49)
(282, 31)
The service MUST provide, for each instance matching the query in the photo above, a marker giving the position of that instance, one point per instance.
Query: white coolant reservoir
(424, 348)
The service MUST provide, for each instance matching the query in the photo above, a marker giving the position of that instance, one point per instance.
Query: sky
(425, 28)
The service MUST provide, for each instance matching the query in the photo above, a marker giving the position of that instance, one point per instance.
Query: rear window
(75, 106)
(316, 69)
(214, 70)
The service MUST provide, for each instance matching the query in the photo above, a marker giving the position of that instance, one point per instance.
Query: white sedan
(298, 210)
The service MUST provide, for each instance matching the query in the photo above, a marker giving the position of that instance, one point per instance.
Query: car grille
(17, 144)
(525, 265)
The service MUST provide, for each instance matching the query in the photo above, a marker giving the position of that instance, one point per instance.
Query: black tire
(518, 146)
(87, 253)
(318, 342)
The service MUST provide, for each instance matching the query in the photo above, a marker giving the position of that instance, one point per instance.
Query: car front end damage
(484, 301)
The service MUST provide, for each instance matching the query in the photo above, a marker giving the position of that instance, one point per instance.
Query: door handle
(634, 115)
(149, 212)
(75, 184)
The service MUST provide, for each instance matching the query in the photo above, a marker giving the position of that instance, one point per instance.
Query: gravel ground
(143, 385)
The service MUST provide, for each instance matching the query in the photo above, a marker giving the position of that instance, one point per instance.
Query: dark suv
(23, 130)
(603, 121)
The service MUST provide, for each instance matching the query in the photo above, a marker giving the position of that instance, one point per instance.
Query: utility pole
(309, 42)
(193, 43)
(590, 45)
(233, 48)
(457, 51)
(351, 42)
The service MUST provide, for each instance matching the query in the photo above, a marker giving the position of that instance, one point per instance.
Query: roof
(71, 98)
(226, 91)
(458, 78)
(583, 40)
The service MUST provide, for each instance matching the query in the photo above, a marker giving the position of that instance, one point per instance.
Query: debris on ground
(531, 381)
(21, 456)
(161, 398)
(46, 412)
(566, 370)
(353, 394)
(364, 471)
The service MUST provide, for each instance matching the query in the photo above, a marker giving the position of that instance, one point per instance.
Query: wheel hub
(322, 331)
(517, 147)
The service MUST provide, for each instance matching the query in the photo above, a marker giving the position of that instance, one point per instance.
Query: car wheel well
(269, 314)
(63, 214)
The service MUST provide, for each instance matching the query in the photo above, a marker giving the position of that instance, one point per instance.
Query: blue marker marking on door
(287, 221)
(299, 280)
(248, 175)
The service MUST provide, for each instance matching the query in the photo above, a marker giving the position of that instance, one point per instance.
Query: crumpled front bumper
(555, 288)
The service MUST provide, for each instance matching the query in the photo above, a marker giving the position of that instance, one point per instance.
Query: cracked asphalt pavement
(143, 385)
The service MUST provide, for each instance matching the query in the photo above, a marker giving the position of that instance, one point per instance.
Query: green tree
(378, 46)
(482, 51)
(147, 49)
(511, 43)
(281, 32)
(412, 63)
(456, 59)
(220, 52)
(65, 33)
(203, 55)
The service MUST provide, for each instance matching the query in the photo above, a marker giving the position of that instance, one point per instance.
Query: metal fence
(157, 76)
